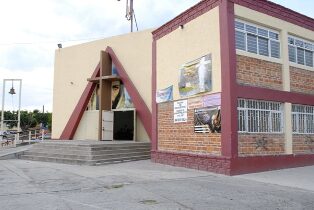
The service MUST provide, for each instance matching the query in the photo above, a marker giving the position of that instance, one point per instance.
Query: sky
(30, 31)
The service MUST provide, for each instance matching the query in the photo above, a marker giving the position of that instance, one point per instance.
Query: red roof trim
(278, 11)
(185, 17)
(76, 116)
(263, 6)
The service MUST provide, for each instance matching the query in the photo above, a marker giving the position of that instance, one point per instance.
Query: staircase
(87, 152)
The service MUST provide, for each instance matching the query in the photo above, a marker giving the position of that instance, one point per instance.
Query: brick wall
(303, 144)
(180, 137)
(261, 144)
(259, 73)
(301, 81)
(214, 164)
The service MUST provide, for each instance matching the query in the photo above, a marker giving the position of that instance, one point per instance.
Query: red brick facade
(301, 80)
(259, 73)
(216, 164)
(303, 144)
(242, 77)
(261, 144)
(180, 137)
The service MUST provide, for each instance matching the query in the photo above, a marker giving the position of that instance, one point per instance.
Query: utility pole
(131, 12)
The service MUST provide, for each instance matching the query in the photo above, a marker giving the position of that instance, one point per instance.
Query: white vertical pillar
(286, 87)
(288, 128)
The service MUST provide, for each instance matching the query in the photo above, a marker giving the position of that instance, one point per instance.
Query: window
(302, 119)
(256, 116)
(300, 51)
(255, 39)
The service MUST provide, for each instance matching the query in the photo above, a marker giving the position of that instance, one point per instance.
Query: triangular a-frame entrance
(142, 110)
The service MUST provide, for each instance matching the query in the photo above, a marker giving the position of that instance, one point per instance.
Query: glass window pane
(291, 40)
(251, 29)
(308, 58)
(273, 35)
(275, 49)
(292, 54)
(300, 56)
(239, 25)
(252, 43)
(262, 32)
(263, 46)
(299, 43)
(240, 40)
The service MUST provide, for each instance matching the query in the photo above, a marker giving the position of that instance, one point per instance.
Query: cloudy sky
(31, 30)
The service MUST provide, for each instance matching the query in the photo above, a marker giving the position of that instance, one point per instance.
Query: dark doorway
(123, 125)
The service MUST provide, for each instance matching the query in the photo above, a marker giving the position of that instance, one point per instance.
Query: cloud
(36, 88)
(25, 57)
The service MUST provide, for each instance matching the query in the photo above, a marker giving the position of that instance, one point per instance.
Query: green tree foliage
(28, 119)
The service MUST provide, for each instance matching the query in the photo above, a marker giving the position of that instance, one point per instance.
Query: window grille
(256, 116)
(301, 51)
(255, 39)
(302, 119)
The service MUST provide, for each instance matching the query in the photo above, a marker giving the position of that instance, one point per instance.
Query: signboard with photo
(207, 120)
(180, 111)
(196, 76)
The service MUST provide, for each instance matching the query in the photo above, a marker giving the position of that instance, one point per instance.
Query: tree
(28, 119)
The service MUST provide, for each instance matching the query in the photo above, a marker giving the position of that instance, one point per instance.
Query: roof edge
(263, 6)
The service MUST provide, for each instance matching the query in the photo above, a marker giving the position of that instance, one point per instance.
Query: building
(104, 75)
(233, 80)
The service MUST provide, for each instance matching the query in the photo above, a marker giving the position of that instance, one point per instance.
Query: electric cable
(135, 20)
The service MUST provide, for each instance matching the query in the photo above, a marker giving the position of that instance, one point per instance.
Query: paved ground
(144, 185)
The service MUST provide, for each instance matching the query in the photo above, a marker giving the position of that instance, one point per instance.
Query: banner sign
(180, 111)
(212, 100)
(164, 94)
(196, 76)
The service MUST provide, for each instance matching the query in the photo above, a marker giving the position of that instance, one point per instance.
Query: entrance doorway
(119, 125)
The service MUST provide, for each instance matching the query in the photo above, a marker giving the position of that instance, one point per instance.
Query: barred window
(302, 119)
(255, 116)
(301, 51)
(255, 39)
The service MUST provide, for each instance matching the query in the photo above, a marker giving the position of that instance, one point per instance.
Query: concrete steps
(87, 152)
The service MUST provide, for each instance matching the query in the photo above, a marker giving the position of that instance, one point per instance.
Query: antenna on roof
(129, 13)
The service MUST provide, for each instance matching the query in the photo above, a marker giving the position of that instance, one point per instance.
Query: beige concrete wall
(88, 126)
(73, 65)
(199, 37)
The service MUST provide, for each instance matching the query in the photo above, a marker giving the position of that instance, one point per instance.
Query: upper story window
(256, 116)
(256, 39)
(300, 51)
(302, 119)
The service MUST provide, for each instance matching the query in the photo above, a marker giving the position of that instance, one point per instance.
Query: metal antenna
(129, 12)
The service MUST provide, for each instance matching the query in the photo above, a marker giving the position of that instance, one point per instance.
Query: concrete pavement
(140, 185)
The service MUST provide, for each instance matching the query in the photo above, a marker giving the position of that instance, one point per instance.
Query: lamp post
(11, 92)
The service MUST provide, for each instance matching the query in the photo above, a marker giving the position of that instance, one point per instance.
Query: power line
(52, 42)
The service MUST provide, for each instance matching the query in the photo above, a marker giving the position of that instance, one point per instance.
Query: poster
(120, 98)
(164, 94)
(196, 76)
(180, 111)
(207, 120)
